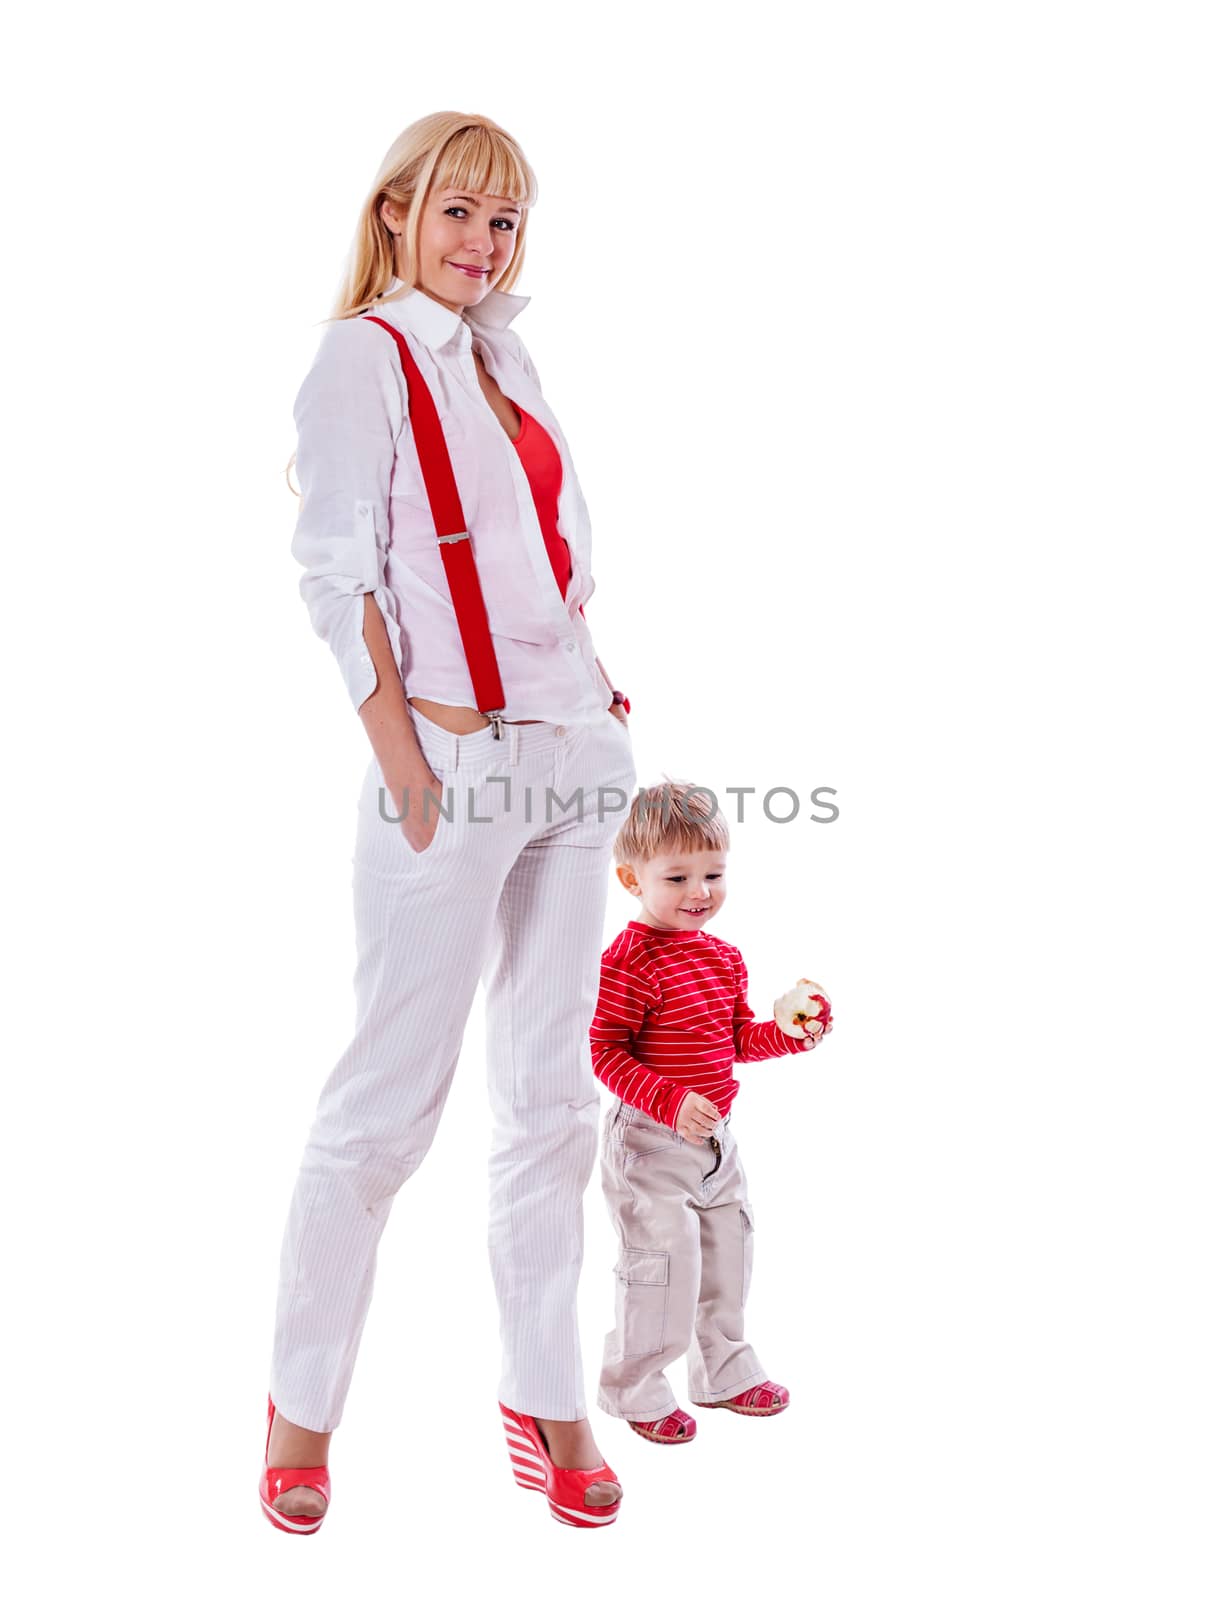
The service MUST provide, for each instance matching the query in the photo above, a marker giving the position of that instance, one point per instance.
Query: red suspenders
(454, 540)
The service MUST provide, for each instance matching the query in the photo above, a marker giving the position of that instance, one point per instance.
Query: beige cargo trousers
(685, 1226)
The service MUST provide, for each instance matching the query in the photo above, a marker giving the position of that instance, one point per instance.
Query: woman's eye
(507, 221)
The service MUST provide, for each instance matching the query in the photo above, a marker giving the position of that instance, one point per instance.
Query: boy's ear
(625, 876)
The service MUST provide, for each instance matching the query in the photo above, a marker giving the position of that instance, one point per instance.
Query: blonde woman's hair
(670, 817)
(444, 150)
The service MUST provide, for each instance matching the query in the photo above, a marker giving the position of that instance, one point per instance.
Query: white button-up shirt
(365, 525)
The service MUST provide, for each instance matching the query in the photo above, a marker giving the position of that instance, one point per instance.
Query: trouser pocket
(642, 1291)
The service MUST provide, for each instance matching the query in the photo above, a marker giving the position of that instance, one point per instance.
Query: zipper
(718, 1159)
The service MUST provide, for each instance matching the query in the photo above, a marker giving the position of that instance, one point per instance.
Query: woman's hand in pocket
(418, 817)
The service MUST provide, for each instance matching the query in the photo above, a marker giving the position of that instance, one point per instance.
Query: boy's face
(680, 891)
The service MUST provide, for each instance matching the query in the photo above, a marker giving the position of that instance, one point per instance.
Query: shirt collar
(436, 324)
(664, 933)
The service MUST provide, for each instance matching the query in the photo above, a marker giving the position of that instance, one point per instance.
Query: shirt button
(570, 644)
(560, 730)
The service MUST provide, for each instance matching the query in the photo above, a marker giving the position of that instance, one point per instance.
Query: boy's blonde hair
(667, 818)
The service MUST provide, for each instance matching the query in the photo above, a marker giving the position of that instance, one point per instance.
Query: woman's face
(460, 228)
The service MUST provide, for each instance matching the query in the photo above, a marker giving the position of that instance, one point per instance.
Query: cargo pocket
(747, 1221)
(642, 1288)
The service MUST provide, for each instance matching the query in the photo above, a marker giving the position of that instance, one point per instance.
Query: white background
(879, 335)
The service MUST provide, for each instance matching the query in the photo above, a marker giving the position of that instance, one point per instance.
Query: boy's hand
(696, 1117)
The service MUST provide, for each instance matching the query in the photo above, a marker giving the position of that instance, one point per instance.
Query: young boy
(672, 1018)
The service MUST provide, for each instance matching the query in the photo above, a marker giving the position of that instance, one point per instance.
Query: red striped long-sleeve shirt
(672, 1017)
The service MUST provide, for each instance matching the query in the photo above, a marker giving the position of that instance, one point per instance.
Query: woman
(441, 902)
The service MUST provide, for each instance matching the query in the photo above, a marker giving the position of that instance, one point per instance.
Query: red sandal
(763, 1400)
(565, 1487)
(274, 1481)
(676, 1428)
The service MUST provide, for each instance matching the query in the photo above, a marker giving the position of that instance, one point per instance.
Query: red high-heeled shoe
(274, 1481)
(565, 1487)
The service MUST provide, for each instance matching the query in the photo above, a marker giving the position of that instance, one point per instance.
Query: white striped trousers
(517, 899)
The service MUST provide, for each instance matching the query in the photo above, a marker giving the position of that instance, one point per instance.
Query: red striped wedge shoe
(275, 1481)
(565, 1488)
(763, 1400)
(676, 1428)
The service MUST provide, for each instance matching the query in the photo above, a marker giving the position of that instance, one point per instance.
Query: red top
(544, 470)
(672, 1017)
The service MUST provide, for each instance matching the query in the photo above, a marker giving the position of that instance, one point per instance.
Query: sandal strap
(669, 1427)
(572, 1478)
(279, 1479)
(763, 1397)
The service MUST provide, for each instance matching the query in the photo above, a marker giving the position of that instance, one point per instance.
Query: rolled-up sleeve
(349, 413)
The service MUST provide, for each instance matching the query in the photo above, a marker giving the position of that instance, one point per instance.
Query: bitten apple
(803, 1010)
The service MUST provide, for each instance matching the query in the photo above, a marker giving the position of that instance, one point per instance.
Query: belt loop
(457, 749)
(513, 755)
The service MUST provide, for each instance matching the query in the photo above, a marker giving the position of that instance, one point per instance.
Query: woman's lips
(471, 272)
